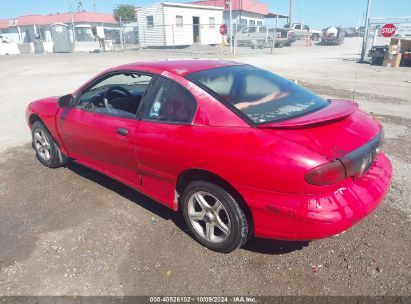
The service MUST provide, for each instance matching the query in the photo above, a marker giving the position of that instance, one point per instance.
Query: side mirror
(65, 101)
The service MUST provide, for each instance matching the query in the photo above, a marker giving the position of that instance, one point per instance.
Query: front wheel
(47, 150)
(214, 217)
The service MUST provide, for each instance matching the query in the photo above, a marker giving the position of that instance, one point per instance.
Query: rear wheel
(214, 217)
(47, 150)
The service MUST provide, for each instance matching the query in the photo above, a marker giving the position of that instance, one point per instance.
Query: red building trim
(86, 17)
(252, 6)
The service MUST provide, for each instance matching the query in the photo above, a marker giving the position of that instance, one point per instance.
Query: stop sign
(223, 29)
(388, 30)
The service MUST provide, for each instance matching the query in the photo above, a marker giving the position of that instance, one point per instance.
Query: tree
(125, 11)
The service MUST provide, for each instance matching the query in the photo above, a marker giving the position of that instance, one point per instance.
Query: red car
(239, 149)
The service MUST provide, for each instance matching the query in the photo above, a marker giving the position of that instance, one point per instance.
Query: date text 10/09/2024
(204, 299)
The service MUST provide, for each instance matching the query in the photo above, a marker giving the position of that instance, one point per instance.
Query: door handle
(122, 131)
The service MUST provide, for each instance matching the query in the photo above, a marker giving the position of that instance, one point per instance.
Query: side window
(117, 95)
(150, 21)
(179, 21)
(306, 28)
(169, 102)
(298, 27)
(211, 22)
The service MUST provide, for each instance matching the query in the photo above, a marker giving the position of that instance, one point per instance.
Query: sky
(316, 13)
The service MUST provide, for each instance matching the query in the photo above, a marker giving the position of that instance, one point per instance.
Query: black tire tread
(241, 237)
(57, 158)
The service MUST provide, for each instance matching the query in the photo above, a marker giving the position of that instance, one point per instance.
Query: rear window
(260, 95)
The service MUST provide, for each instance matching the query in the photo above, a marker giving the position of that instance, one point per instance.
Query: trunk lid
(332, 132)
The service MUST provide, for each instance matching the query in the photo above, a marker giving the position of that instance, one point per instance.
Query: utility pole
(231, 27)
(94, 6)
(290, 17)
(365, 38)
(79, 5)
(70, 6)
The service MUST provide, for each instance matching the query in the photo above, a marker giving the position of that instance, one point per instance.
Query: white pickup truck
(4, 39)
(260, 36)
(302, 30)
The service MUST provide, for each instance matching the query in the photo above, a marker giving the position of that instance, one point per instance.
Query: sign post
(223, 31)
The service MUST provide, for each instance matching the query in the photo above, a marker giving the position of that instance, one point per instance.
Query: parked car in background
(332, 35)
(4, 39)
(239, 150)
(260, 37)
(360, 31)
(252, 36)
(302, 30)
(350, 32)
(377, 54)
(284, 36)
(406, 58)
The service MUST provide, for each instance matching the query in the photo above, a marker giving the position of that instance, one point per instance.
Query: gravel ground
(72, 231)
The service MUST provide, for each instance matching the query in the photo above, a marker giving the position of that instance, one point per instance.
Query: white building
(244, 12)
(177, 24)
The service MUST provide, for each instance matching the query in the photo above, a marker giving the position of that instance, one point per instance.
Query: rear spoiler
(338, 109)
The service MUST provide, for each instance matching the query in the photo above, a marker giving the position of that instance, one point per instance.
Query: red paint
(66, 18)
(266, 165)
(252, 6)
(388, 30)
(223, 29)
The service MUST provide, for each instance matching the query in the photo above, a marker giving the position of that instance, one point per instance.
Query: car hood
(332, 132)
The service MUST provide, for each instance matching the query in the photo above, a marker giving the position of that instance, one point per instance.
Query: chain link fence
(184, 38)
(196, 38)
(260, 38)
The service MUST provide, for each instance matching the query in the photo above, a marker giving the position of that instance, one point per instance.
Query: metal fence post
(145, 42)
(172, 31)
(121, 35)
(365, 39)
(235, 38)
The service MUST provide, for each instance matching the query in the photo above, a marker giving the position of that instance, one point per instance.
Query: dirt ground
(72, 231)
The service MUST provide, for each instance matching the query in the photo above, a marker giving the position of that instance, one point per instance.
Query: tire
(226, 221)
(315, 37)
(47, 150)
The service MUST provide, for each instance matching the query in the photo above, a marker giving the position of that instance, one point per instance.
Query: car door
(163, 138)
(100, 137)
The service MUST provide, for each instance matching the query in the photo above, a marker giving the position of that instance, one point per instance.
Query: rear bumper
(307, 217)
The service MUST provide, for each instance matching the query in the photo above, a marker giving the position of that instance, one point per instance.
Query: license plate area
(360, 160)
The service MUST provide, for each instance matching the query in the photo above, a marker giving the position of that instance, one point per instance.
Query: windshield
(261, 95)
(248, 30)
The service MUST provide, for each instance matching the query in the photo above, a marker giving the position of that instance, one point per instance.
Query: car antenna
(355, 79)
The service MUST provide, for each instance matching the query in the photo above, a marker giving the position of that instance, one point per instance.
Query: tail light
(326, 174)
(353, 164)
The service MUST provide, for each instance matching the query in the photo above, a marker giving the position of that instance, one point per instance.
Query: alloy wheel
(209, 217)
(42, 144)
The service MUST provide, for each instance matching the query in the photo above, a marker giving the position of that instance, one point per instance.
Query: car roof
(181, 67)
